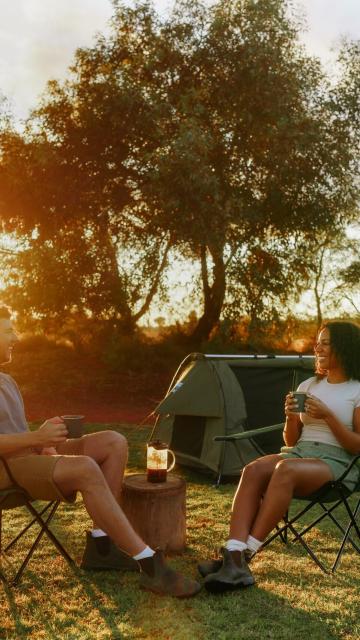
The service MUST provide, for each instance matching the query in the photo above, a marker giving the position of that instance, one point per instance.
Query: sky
(38, 38)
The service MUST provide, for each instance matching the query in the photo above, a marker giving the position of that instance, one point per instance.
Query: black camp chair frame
(14, 497)
(333, 493)
(329, 492)
(249, 434)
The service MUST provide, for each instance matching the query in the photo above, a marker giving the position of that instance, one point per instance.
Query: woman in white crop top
(320, 443)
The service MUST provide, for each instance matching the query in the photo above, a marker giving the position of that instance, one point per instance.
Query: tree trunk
(157, 511)
(318, 307)
(155, 283)
(126, 323)
(316, 287)
(214, 294)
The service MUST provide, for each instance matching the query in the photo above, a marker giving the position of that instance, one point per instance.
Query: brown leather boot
(102, 554)
(158, 577)
(233, 574)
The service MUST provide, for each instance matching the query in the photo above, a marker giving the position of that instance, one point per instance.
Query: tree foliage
(209, 132)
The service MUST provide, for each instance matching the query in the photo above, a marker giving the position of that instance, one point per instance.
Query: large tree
(258, 144)
(199, 133)
(69, 192)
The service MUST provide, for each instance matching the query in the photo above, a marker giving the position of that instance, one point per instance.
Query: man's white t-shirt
(341, 398)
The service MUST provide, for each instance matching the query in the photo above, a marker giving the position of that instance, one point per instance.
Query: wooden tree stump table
(157, 511)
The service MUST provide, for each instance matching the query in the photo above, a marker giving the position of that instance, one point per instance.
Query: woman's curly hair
(345, 345)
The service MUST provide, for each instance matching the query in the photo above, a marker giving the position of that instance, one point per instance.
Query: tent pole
(190, 356)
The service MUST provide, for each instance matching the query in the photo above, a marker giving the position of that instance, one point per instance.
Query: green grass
(292, 599)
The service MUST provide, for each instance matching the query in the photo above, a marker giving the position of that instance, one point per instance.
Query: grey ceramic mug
(74, 425)
(300, 397)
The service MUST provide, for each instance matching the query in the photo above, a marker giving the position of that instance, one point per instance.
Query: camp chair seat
(15, 497)
(329, 497)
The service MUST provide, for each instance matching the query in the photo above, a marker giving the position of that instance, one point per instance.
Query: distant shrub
(123, 353)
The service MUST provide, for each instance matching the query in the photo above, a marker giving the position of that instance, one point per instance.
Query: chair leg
(28, 526)
(353, 516)
(308, 549)
(299, 535)
(44, 528)
(289, 526)
(21, 569)
(341, 528)
(284, 534)
(281, 532)
(351, 524)
(321, 517)
(328, 512)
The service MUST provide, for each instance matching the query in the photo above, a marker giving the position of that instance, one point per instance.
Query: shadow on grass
(21, 628)
(104, 605)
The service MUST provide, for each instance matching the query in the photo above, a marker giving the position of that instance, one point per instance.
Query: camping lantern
(157, 461)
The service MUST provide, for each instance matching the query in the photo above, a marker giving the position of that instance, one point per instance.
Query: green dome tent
(212, 395)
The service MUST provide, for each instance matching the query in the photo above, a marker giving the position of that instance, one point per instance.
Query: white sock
(235, 545)
(98, 533)
(145, 553)
(253, 544)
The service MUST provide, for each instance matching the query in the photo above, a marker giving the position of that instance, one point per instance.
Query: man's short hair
(4, 312)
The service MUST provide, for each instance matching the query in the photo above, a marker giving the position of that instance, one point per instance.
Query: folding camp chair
(329, 498)
(14, 497)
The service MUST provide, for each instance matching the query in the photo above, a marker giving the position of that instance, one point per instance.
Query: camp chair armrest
(244, 435)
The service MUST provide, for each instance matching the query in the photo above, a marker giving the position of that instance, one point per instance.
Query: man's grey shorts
(335, 457)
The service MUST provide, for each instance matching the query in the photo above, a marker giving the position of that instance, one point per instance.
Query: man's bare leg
(108, 448)
(83, 474)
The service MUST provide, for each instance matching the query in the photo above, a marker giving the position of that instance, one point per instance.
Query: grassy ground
(291, 600)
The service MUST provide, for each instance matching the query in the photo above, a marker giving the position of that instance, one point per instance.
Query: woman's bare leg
(252, 486)
(290, 476)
